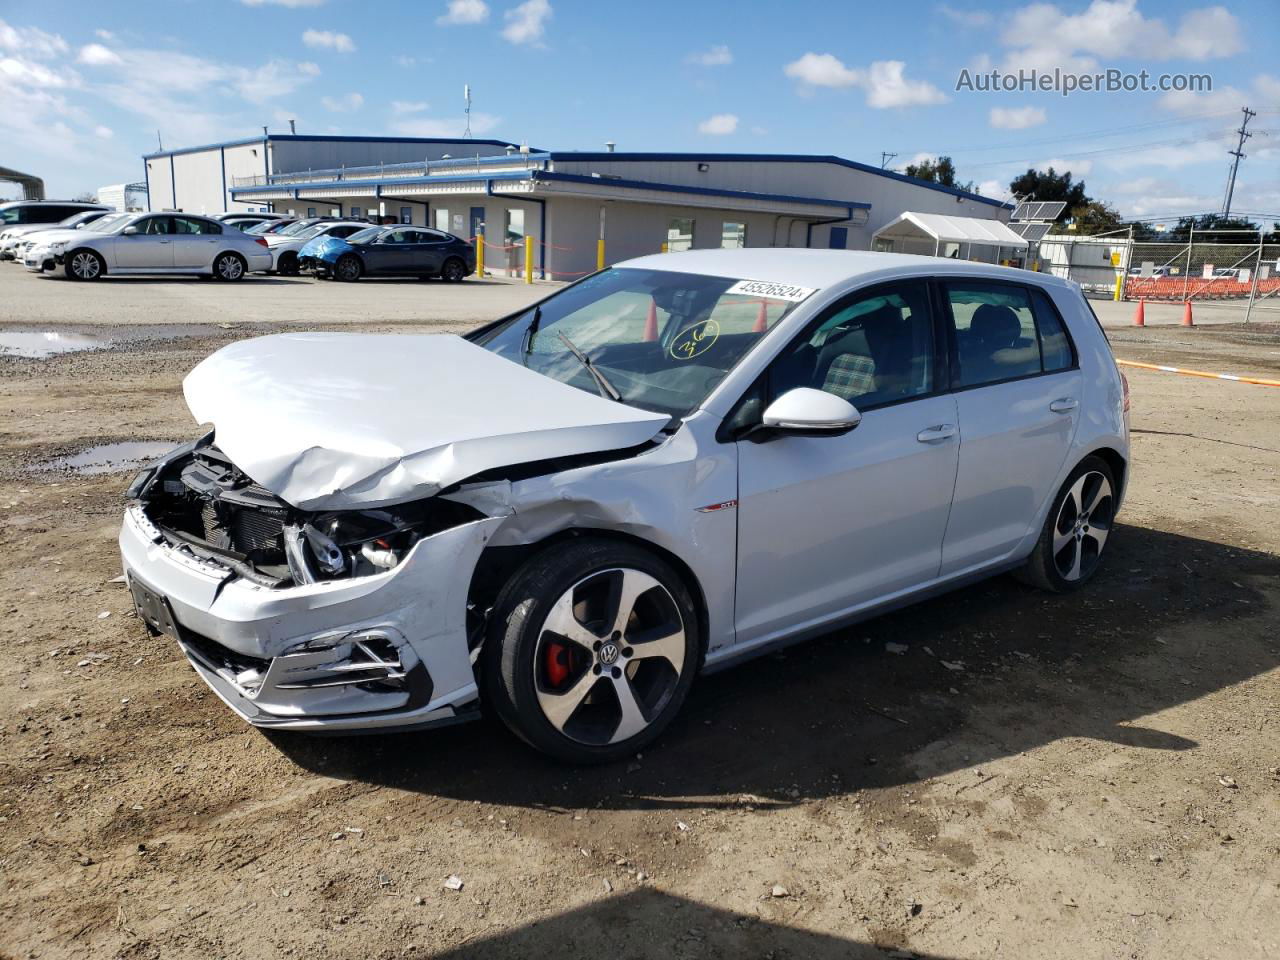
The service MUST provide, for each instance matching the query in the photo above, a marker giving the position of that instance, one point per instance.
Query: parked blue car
(393, 251)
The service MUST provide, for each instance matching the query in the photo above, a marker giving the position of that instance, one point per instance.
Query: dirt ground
(1100, 779)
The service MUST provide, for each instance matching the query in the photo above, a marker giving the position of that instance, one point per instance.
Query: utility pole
(466, 99)
(885, 158)
(1238, 153)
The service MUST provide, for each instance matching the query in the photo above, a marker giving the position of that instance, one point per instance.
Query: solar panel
(1033, 232)
(1039, 210)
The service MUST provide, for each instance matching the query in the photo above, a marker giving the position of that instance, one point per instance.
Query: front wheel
(591, 651)
(1076, 531)
(454, 270)
(228, 266)
(288, 265)
(85, 265)
(348, 268)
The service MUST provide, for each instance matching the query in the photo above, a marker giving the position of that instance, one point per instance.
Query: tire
(229, 267)
(589, 692)
(288, 265)
(453, 270)
(348, 268)
(84, 265)
(1070, 548)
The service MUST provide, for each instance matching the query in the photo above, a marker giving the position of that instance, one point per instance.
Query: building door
(839, 239)
(477, 222)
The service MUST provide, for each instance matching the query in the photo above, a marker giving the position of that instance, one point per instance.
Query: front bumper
(242, 639)
(37, 260)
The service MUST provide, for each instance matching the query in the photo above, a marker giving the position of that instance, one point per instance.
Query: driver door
(830, 523)
(151, 248)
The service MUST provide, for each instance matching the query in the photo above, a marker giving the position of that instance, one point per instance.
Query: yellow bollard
(600, 254)
(1119, 287)
(480, 254)
(528, 259)
(664, 248)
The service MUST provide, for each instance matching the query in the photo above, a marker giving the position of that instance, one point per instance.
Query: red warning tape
(1200, 373)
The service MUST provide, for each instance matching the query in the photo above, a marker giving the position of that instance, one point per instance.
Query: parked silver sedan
(152, 243)
(676, 463)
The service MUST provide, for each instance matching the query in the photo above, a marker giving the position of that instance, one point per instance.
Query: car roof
(818, 268)
(86, 204)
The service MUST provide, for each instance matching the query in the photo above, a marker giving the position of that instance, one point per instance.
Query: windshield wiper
(526, 343)
(607, 389)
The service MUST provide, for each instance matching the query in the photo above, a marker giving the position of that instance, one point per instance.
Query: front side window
(996, 333)
(872, 349)
(11, 215)
(679, 234)
(664, 340)
(155, 226)
(733, 235)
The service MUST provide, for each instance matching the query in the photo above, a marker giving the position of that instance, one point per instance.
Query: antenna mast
(466, 99)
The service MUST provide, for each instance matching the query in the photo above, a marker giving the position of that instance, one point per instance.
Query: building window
(406, 215)
(679, 234)
(733, 236)
(311, 211)
(357, 212)
(442, 220)
(515, 227)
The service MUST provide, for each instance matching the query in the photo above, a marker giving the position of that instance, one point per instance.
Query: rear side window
(1004, 332)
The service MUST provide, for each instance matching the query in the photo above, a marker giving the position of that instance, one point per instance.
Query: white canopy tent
(943, 236)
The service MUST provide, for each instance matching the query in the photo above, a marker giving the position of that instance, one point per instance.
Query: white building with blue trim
(567, 201)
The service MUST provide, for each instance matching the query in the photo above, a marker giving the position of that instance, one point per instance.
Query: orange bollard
(1140, 315)
(651, 323)
(1186, 314)
(762, 319)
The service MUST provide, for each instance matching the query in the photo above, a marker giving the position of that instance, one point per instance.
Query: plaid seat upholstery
(850, 376)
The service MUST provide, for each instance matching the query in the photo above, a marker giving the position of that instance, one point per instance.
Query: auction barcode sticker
(773, 291)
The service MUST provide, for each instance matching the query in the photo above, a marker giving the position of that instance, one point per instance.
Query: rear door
(1017, 384)
(195, 241)
(150, 248)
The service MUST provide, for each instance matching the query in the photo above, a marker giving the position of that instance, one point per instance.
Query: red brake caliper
(557, 663)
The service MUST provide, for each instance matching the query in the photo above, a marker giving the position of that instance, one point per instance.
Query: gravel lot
(1099, 779)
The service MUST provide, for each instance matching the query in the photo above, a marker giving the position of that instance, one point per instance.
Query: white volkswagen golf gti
(673, 464)
(151, 243)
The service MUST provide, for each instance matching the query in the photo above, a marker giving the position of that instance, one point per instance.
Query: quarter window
(873, 349)
(679, 234)
(999, 334)
(191, 225)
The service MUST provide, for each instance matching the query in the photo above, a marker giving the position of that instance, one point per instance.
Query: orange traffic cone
(1140, 315)
(1186, 314)
(651, 323)
(762, 319)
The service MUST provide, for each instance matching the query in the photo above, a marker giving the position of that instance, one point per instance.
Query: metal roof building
(580, 208)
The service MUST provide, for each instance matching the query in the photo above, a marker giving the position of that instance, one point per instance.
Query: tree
(1050, 185)
(1215, 228)
(1094, 216)
(941, 170)
(86, 197)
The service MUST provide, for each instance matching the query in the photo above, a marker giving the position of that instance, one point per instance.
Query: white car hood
(45, 237)
(330, 421)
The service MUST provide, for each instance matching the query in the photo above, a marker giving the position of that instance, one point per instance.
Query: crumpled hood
(324, 247)
(330, 421)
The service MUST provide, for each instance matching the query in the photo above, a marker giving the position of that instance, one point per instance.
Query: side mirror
(130, 231)
(805, 410)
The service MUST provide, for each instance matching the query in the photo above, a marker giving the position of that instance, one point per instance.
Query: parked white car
(284, 247)
(103, 225)
(152, 243)
(12, 237)
(673, 464)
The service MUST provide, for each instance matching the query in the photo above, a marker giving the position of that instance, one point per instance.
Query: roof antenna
(466, 98)
(293, 127)
(159, 142)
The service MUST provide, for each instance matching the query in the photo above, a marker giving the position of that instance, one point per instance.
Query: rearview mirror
(129, 231)
(805, 410)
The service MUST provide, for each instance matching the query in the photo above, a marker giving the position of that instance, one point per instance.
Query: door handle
(943, 431)
(162, 241)
(1064, 405)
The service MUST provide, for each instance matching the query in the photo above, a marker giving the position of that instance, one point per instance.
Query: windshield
(106, 224)
(310, 232)
(664, 340)
(293, 229)
(364, 236)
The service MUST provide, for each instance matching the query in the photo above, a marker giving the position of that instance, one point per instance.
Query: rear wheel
(348, 268)
(1076, 531)
(592, 649)
(85, 265)
(454, 270)
(228, 266)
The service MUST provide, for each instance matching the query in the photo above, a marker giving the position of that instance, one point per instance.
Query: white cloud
(31, 74)
(527, 22)
(994, 189)
(31, 42)
(104, 133)
(719, 124)
(96, 55)
(343, 104)
(1042, 36)
(884, 81)
(465, 12)
(406, 106)
(328, 40)
(1264, 94)
(104, 35)
(1016, 118)
(717, 56)
(966, 18)
(437, 127)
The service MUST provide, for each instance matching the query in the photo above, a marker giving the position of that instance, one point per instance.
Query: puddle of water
(110, 457)
(47, 343)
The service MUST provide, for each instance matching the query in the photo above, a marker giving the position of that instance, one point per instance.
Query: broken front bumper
(375, 652)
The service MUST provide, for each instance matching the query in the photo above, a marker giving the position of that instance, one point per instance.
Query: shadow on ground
(648, 923)
(839, 713)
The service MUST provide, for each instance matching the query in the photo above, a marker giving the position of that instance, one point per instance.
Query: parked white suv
(12, 238)
(152, 243)
(673, 464)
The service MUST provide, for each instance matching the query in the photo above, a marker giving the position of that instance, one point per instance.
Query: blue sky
(85, 86)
